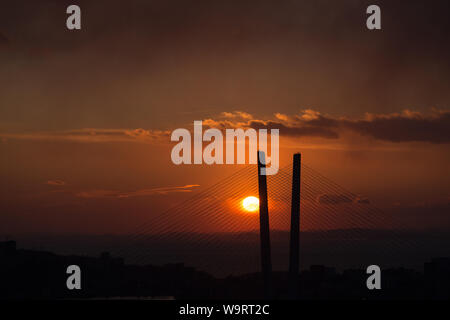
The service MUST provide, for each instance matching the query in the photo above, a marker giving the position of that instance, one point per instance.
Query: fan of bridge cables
(333, 220)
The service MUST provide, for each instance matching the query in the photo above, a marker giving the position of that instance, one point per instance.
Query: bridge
(300, 209)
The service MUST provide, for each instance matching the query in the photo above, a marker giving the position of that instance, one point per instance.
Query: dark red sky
(85, 115)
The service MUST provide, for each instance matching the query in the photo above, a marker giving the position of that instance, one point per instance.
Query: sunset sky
(86, 116)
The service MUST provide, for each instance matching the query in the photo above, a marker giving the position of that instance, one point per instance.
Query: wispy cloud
(56, 183)
(137, 193)
(406, 126)
(94, 135)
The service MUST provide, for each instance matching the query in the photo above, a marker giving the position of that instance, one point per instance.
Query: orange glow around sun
(250, 204)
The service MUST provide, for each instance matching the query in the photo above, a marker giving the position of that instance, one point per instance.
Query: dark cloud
(334, 199)
(394, 127)
(418, 21)
(303, 129)
(405, 127)
(309, 123)
(361, 200)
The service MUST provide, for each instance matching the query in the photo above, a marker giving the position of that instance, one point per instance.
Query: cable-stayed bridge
(337, 227)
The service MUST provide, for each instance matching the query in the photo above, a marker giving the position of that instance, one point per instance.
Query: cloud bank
(405, 126)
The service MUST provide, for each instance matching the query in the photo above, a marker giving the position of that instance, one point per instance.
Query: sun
(250, 204)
